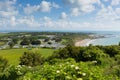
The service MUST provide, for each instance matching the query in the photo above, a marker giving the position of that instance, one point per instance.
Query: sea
(110, 38)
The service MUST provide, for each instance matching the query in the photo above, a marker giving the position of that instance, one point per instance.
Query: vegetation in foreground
(69, 63)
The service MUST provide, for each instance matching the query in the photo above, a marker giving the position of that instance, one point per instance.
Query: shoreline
(84, 42)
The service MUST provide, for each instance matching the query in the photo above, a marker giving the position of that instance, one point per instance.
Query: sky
(59, 15)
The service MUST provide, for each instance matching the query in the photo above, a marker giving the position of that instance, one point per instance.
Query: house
(16, 46)
(25, 46)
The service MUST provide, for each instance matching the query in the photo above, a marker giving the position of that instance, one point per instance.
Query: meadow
(13, 55)
(2, 43)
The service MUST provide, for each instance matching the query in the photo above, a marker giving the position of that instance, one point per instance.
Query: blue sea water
(111, 38)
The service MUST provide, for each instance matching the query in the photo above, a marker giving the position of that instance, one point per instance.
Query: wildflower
(67, 62)
(72, 66)
(58, 71)
(19, 66)
(19, 73)
(84, 74)
(29, 67)
(76, 67)
(94, 61)
(60, 65)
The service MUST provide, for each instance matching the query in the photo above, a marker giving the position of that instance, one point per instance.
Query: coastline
(84, 42)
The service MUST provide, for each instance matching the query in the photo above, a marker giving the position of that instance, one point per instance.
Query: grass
(13, 55)
(2, 43)
(4, 34)
(64, 41)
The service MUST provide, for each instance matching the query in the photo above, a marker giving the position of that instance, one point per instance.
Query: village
(29, 41)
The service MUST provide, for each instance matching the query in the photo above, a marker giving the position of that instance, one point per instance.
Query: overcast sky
(60, 15)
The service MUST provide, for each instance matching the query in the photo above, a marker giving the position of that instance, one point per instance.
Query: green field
(13, 55)
(2, 43)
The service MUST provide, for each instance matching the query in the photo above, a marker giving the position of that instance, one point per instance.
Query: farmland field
(13, 55)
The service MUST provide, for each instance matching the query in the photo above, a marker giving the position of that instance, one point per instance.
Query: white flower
(58, 71)
(94, 61)
(19, 66)
(72, 66)
(60, 65)
(76, 67)
(20, 73)
(29, 67)
(84, 74)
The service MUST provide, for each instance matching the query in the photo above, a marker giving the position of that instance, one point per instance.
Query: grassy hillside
(13, 55)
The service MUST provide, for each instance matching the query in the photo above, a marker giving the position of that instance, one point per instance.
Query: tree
(49, 43)
(25, 42)
(15, 40)
(119, 43)
(112, 50)
(11, 44)
(58, 39)
(31, 59)
(46, 40)
(35, 42)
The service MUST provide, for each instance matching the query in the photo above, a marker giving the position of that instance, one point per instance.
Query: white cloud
(29, 9)
(55, 5)
(47, 22)
(8, 13)
(7, 5)
(88, 8)
(107, 13)
(82, 6)
(45, 18)
(28, 21)
(7, 8)
(115, 2)
(13, 21)
(75, 11)
(44, 6)
(63, 15)
(117, 10)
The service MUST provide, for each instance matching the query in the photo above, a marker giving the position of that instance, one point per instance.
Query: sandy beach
(84, 42)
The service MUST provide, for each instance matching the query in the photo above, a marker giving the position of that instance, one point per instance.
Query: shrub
(31, 59)
(3, 64)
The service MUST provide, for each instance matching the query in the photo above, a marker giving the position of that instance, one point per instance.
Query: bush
(66, 69)
(11, 44)
(3, 64)
(31, 59)
(35, 42)
(25, 42)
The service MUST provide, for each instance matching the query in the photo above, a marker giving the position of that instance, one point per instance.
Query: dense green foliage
(66, 69)
(31, 59)
(11, 44)
(3, 64)
(25, 41)
(81, 53)
(69, 63)
(35, 42)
